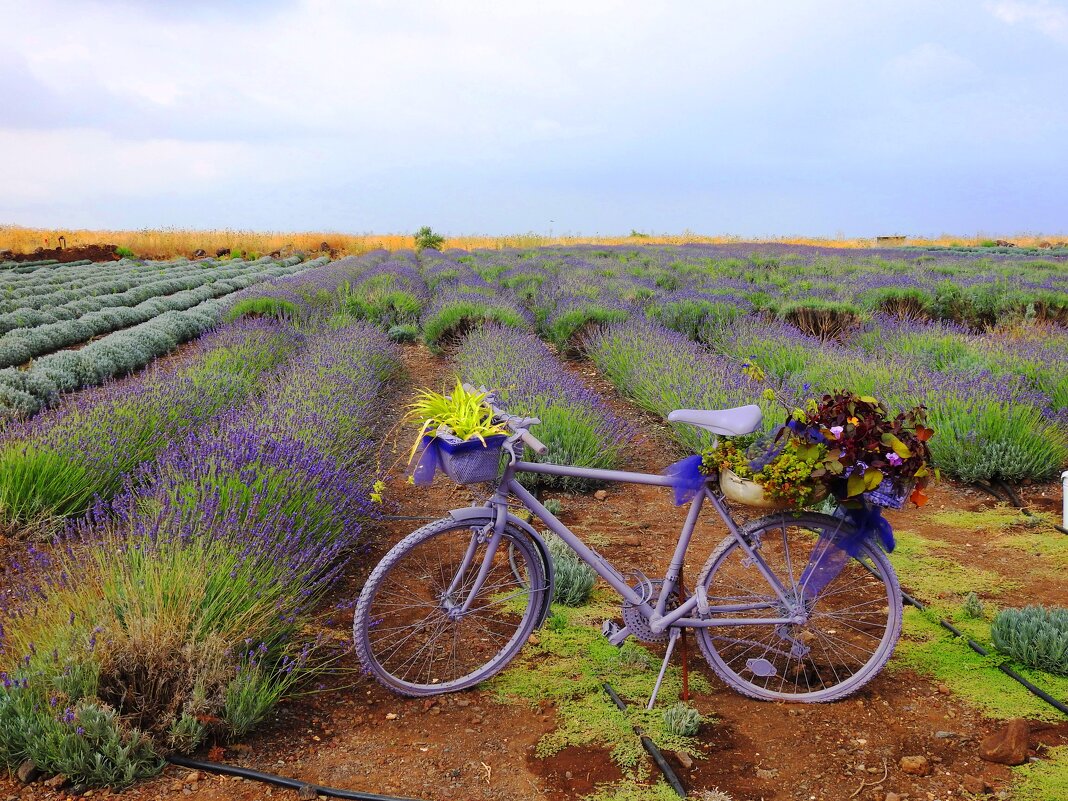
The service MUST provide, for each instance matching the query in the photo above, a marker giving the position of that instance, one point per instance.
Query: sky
(583, 117)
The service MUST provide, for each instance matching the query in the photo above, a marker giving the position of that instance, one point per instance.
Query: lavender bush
(53, 465)
(392, 293)
(187, 598)
(662, 370)
(576, 425)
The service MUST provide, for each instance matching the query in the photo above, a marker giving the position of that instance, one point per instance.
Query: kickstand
(684, 649)
(663, 667)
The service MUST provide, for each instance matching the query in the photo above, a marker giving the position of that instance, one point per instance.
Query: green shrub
(682, 719)
(574, 578)
(1034, 636)
(566, 329)
(382, 301)
(124, 252)
(83, 741)
(404, 333)
(978, 441)
(822, 318)
(263, 307)
(692, 316)
(906, 303)
(972, 606)
(454, 319)
(426, 239)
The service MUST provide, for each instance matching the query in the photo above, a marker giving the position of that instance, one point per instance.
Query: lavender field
(178, 527)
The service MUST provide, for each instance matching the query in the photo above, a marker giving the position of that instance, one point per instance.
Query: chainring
(634, 620)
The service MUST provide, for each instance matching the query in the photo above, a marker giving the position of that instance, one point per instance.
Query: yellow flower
(853, 421)
(376, 491)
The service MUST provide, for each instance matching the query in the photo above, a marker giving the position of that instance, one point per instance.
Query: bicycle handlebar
(516, 424)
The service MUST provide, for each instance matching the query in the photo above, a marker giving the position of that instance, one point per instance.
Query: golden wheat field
(165, 242)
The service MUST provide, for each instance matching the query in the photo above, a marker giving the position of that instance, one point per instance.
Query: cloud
(493, 116)
(77, 164)
(1043, 16)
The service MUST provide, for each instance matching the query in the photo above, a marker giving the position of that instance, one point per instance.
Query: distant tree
(426, 239)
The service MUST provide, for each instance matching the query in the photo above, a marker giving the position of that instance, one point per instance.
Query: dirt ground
(64, 255)
(353, 734)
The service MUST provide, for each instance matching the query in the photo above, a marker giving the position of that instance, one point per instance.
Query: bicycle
(779, 610)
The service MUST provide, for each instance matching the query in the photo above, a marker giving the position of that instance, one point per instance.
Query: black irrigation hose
(650, 746)
(1014, 498)
(278, 781)
(989, 489)
(1060, 706)
(997, 485)
(1008, 671)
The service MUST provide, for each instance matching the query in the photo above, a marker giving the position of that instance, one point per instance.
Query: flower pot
(750, 493)
(468, 461)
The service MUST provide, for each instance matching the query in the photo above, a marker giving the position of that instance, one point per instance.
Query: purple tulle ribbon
(427, 461)
(686, 478)
(829, 557)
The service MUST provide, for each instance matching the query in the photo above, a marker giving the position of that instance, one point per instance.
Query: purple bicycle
(780, 611)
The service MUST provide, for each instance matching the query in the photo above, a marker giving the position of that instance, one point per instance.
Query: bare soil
(351, 733)
(64, 255)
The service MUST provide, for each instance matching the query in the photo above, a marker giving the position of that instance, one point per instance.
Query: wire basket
(468, 461)
(891, 494)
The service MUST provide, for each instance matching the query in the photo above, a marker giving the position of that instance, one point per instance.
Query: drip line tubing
(1003, 492)
(1060, 706)
(650, 746)
(278, 781)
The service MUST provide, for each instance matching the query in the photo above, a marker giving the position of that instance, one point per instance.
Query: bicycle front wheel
(852, 608)
(410, 629)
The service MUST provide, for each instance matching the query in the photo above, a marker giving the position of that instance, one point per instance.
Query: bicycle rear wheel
(853, 619)
(410, 631)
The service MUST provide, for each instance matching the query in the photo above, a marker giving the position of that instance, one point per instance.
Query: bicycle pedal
(614, 632)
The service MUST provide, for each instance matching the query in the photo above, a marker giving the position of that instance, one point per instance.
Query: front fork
(490, 534)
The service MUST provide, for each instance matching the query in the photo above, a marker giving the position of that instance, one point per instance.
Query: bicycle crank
(636, 623)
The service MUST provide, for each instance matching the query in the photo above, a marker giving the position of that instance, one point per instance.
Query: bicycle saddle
(728, 422)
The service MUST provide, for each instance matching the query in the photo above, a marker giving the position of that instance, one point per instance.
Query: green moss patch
(926, 569)
(996, 518)
(630, 790)
(567, 665)
(928, 648)
(1043, 781)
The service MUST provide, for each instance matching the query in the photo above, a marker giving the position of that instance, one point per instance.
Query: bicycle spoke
(420, 637)
(842, 638)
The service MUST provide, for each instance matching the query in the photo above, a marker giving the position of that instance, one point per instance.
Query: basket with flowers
(844, 445)
(458, 433)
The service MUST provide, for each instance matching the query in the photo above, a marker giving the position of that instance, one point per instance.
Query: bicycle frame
(659, 619)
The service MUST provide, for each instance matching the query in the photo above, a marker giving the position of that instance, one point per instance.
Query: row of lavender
(990, 425)
(138, 336)
(231, 491)
(999, 395)
(960, 288)
(31, 334)
(96, 286)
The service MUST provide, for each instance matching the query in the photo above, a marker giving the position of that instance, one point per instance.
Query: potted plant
(844, 444)
(458, 433)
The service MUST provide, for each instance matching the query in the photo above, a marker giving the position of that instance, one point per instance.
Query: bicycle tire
(839, 660)
(457, 650)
